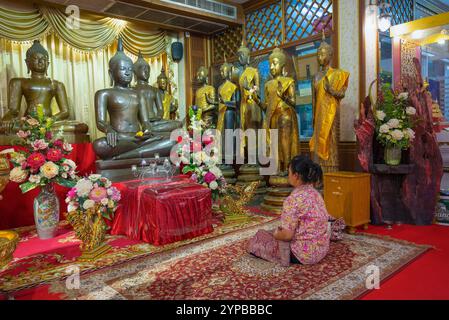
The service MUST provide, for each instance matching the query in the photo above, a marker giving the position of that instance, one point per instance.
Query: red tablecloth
(16, 209)
(163, 212)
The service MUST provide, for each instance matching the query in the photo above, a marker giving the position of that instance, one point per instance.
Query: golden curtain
(94, 32)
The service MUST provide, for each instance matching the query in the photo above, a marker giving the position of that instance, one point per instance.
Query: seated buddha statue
(169, 103)
(128, 131)
(39, 89)
(152, 98)
(206, 99)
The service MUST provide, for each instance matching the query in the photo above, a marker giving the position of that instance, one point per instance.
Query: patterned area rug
(221, 269)
(38, 261)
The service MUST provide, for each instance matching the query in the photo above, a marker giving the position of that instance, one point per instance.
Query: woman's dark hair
(309, 171)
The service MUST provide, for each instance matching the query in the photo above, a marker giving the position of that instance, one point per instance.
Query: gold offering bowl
(8, 243)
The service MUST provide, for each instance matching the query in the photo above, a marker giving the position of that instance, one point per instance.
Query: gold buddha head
(120, 67)
(226, 70)
(37, 58)
(325, 53)
(202, 75)
(244, 54)
(141, 68)
(162, 80)
(277, 60)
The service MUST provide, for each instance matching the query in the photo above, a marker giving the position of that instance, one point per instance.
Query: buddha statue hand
(111, 138)
(339, 94)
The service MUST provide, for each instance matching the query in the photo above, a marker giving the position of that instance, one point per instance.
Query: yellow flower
(139, 134)
(42, 130)
(49, 170)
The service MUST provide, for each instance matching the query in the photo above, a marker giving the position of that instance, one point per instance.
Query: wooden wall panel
(197, 54)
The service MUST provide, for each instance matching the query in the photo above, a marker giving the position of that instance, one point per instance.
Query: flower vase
(392, 155)
(46, 212)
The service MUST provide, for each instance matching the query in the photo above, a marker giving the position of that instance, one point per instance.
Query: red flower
(48, 135)
(58, 143)
(54, 154)
(36, 160)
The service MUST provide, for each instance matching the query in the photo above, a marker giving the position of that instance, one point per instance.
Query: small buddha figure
(128, 116)
(39, 89)
(169, 103)
(206, 98)
(152, 98)
(280, 114)
(329, 87)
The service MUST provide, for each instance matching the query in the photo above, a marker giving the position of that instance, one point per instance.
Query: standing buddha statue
(249, 82)
(39, 89)
(153, 99)
(169, 103)
(280, 115)
(206, 98)
(328, 87)
(228, 95)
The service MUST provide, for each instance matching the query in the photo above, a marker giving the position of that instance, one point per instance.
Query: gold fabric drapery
(94, 32)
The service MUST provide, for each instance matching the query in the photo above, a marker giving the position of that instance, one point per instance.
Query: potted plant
(394, 117)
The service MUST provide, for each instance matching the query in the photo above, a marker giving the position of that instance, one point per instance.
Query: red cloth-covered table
(16, 209)
(163, 212)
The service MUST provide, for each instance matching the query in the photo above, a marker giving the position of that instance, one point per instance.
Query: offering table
(161, 212)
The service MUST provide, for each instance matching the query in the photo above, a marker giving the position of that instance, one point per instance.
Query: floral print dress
(304, 213)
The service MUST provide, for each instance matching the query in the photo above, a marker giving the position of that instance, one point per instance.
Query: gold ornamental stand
(94, 254)
(276, 194)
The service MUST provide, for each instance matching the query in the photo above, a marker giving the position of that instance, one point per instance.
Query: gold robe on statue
(166, 103)
(276, 108)
(201, 102)
(324, 141)
(250, 113)
(226, 91)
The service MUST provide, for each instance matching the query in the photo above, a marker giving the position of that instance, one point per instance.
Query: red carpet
(427, 277)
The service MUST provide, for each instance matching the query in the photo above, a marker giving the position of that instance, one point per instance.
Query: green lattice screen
(304, 18)
(264, 27)
(401, 11)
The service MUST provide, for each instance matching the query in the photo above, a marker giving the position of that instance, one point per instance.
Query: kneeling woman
(304, 220)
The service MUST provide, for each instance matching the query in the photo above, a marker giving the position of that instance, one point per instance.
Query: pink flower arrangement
(54, 154)
(44, 159)
(94, 191)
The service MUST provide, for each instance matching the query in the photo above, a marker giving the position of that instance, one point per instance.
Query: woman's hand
(283, 234)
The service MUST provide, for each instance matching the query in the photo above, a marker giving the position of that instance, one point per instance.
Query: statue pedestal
(121, 170)
(251, 173)
(228, 173)
(276, 194)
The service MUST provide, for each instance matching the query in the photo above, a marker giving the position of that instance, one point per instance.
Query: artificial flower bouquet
(195, 161)
(44, 159)
(394, 117)
(94, 191)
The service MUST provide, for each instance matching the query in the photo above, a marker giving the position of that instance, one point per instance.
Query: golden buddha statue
(249, 82)
(280, 114)
(169, 103)
(38, 89)
(206, 98)
(329, 87)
